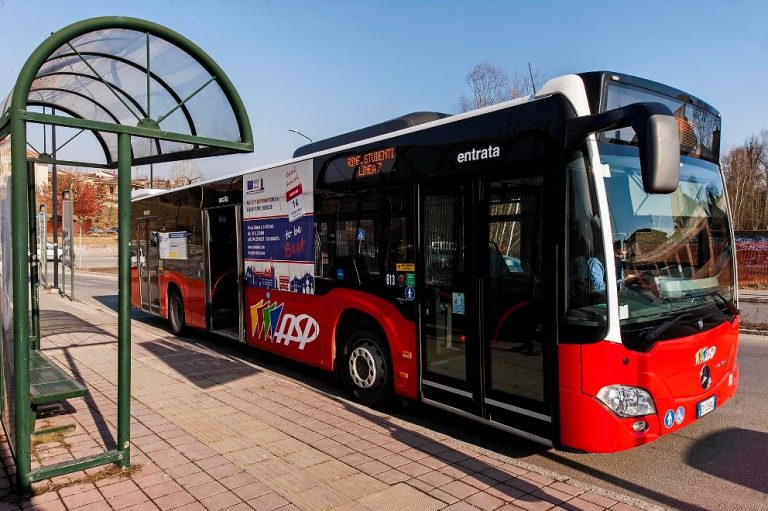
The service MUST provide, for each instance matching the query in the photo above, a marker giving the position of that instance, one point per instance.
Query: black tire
(367, 368)
(176, 312)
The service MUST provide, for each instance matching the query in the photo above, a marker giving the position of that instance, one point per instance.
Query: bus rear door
(148, 259)
(224, 278)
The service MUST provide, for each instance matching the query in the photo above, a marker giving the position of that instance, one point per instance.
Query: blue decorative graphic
(669, 418)
(360, 234)
(279, 240)
(339, 273)
(679, 415)
(410, 294)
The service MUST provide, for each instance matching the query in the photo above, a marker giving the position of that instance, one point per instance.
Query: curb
(753, 332)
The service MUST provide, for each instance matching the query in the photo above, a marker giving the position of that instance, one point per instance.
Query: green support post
(124, 298)
(34, 276)
(19, 244)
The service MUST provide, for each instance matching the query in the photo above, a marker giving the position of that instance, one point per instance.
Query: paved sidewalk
(753, 304)
(212, 430)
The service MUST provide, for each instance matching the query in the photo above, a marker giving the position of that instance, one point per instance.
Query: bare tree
(746, 175)
(489, 84)
(184, 173)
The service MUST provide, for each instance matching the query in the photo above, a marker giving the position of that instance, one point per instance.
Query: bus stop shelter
(147, 95)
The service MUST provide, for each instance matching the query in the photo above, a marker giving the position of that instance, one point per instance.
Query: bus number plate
(705, 406)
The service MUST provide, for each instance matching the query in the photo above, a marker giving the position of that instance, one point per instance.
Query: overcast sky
(326, 67)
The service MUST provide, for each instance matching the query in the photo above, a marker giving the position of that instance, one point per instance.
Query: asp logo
(705, 355)
(268, 322)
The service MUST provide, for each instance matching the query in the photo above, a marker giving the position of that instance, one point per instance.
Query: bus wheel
(176, 312)
(367, 368)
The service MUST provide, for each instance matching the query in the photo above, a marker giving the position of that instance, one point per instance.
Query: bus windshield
(673, 251)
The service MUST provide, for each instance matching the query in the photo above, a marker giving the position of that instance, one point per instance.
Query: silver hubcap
(363, 367)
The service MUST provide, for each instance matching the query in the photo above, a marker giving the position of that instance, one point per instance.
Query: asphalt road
(719, 462)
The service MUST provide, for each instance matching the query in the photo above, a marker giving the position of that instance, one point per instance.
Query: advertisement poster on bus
(278, 228)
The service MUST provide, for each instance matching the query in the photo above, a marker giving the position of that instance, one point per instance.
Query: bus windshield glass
(673, 251)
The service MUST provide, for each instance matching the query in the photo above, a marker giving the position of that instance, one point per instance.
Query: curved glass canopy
(133, 73)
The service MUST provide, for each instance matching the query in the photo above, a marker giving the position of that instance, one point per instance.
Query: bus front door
(482, 297)
(147, 261)
(224, 279)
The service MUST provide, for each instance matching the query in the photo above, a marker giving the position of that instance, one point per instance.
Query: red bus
(559, 266)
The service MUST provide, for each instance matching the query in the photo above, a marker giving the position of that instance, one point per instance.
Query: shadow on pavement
(737, 441)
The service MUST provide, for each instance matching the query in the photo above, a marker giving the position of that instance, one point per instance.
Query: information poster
(278, 228)
(173, 245)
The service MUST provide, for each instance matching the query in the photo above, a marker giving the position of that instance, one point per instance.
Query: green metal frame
(22, 203)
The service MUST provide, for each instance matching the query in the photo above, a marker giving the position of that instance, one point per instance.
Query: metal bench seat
(48, 383)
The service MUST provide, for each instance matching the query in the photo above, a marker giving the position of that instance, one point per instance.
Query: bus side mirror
(657, 138)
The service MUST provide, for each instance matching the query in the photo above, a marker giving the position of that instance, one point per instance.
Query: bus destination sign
(372, 163)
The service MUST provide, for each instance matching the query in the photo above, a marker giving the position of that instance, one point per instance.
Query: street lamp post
(300, 134)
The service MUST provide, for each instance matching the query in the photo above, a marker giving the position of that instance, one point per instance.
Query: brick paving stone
(497, 474)
(195, 479)
(485, 501)
(357, 486)
(403, 498)
(223, 471)
(221, 501)
(237, 480)
(510, 507)
(460, 506)
(162, 489)
(542, 479)
(505, 492)
(395, 460)
(144, 506)
(183, 470)
(459, 489)
(445, 497)
(147, 480)
(533, 503)
(414, 469)
(373, 467)
(571, 490)
(393, 476)
(83, 498)
(433, 462)
(436, 478)
(75, 489)
(355, 459)
(268, 502)
(128, 499)
(207, 490)
(598, 499)
(118, 488)
(523, 484)
(479, 481)
(174, 500)
(94, 506)
(420, 485)
(579, 504)
(252, 490)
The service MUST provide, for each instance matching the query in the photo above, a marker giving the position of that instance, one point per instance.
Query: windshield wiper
(653, 333)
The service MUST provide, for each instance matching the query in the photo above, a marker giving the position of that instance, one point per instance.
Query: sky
(327, 67)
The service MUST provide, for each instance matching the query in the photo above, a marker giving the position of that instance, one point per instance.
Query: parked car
(49, 251)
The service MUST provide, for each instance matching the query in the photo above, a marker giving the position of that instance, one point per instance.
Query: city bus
(559, 266)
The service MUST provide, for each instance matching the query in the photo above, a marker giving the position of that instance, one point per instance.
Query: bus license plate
(705, 406)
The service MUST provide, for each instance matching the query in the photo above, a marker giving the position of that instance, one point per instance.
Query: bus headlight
(626, 401)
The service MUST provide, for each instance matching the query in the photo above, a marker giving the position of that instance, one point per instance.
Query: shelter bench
(48, 383)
